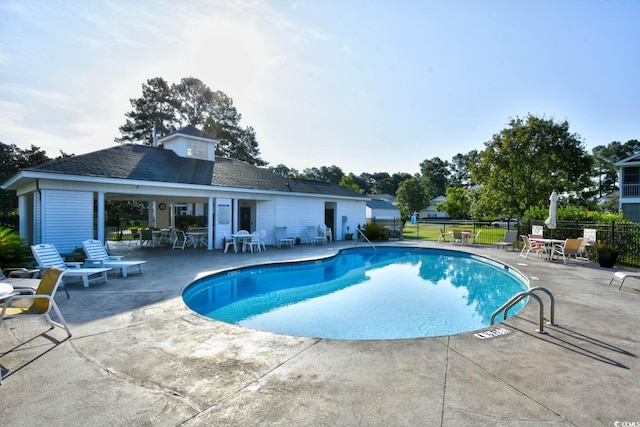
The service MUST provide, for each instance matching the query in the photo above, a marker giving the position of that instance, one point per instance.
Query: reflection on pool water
(360, 295)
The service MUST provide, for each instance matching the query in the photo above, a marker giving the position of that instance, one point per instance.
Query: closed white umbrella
(553, 206)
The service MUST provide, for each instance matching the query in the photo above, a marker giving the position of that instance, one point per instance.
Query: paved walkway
(138, 357)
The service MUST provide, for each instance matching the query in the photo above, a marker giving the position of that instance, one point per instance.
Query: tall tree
(457, 204)
(284, 171)
(156, 107)
(523, 163)
(605, 173)
(166, 108)
(435, 176)
(411, 196)
(12, 159)
(460, 169)
(332, 174)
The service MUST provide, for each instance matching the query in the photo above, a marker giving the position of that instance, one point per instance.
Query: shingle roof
(144, 163)
(191, 131)
(380, 204)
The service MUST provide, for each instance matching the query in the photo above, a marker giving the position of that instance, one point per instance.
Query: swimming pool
(361, 295)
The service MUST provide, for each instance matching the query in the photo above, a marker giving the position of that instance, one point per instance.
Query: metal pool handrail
(519, 296)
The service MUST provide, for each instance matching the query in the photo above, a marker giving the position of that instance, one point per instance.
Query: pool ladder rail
(361, 233)
(532, 293)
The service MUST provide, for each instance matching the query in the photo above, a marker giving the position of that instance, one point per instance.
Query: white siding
(68, 218)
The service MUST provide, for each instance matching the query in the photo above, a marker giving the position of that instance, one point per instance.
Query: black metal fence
(625, 235)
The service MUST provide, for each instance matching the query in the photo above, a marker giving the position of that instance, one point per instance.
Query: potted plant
(606, 252)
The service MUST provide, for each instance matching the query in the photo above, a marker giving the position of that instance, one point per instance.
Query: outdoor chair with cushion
(532, 246)
(40, 303)
(47, 255)
(510, 238)
(458, 237)
(97, 255)
(570, 247)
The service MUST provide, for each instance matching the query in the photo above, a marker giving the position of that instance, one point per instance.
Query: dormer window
(197, 149)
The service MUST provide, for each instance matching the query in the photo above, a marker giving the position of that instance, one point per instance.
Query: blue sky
(369, 86)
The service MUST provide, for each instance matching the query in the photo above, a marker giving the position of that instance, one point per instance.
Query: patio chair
(475, 238)
(263, 235)
(135, 237)
(458, 237)
(47, 255)
(41, 301)
(623, 275)
(529, 246)
(570, 247)
(443, 236)
(97, 255)
(179, 239)
(252, 241)
(24, 280)
(313, 237)
(229, 242)
(582, 250)
(281, 237)
(509, 240)
(325, 232)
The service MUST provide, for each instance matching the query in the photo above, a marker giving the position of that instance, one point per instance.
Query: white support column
(234, 216)
(210, 225)
(101, 218)
(23, 224)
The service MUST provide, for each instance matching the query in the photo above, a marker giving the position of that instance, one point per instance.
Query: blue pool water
(358, 295)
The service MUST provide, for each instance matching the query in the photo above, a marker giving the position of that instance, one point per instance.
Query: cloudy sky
(369, 86)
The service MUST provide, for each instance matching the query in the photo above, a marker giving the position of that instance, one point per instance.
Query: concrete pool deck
(138, 356)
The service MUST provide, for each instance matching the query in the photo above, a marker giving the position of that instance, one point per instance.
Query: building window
(197, 149)
(632, 175)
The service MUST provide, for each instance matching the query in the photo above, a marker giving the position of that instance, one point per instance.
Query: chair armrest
(94, 261)
(73, 264)
(21, 272)
(115, 258)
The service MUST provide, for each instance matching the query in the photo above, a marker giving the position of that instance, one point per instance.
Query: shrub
(375, 232)
(13, 251)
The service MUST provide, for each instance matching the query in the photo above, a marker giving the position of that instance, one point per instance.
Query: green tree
(411, 196)
(332, 174)
(605, 174)
(435, 176)
(284, 171)
(457, 204)
(348, 182)
(460, 169)
(523, 163)
(12, 160)
(166, 108)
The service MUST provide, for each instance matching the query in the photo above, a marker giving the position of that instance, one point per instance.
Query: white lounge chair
(313, 237)
(47, 255)
(623, 275)
(98, 256)
(509, 240)
(281, 237)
